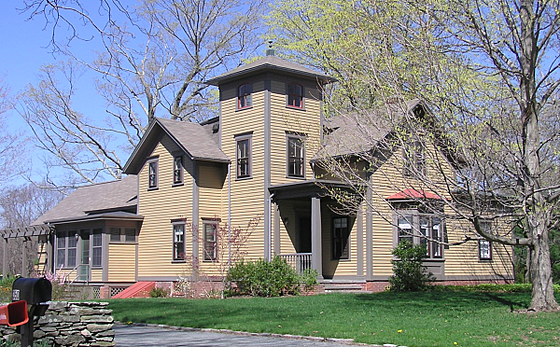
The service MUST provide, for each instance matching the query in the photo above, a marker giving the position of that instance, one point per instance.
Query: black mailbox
(33, 290)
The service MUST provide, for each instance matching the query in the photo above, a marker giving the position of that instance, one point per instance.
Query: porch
(309, 233)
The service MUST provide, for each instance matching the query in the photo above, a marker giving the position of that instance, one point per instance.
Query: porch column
(5, 258)
(317, 255)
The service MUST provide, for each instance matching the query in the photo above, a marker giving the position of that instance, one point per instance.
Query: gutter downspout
(269, 231)
(229, 216)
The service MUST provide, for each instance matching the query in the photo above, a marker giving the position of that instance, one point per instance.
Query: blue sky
(24, 49)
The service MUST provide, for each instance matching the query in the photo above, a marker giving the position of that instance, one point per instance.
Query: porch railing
(80, 273)
(299, 261)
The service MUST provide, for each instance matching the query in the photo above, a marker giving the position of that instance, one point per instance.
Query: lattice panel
(116, 290)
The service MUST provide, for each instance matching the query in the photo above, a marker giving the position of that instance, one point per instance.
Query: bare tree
(11, 143)
(490, 72)
(19, 207)
(152, 58)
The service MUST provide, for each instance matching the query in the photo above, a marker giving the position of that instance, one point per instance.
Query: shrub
(159, 292)
(268, 278)
(409, 274)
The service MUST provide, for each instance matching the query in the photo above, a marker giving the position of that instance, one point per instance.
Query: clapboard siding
(122, 262)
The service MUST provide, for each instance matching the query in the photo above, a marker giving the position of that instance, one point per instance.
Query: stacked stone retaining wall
(71, 324)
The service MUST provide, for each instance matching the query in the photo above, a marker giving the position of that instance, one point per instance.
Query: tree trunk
(541, 275)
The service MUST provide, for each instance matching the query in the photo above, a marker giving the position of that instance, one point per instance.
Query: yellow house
(190, 186)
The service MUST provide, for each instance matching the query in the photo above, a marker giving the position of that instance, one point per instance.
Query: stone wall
(72, 324)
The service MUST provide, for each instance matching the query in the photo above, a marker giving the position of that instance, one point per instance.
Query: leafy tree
(489, 70)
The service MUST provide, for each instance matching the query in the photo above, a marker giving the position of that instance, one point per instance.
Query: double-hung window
(295, 95)
(420, 228)
(243, 145)
(210, 240)
(244, 98)
(179, 253)
(296, 156)
(340, 238)
(414, 159)
(178, 170)
(97, 248)
(153, 173)
(485, 246)
(66, 249)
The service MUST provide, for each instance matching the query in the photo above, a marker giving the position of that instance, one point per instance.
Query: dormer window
(244, 99)
(295, 95)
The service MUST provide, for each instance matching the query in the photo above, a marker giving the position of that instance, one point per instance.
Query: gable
(192, 139)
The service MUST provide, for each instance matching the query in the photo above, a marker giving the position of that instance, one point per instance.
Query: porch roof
(119, 215)
(309, 188)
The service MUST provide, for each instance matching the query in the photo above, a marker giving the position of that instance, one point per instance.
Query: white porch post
(317, 255)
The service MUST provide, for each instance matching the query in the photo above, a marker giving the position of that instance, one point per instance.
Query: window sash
(295, 95)
(97, 248)
(423, 229)
(66, 249)
(243, 158)
(130, 235)
(210, 241)
(295, 156)
(179, 242)
(484, 250)
(244, 96)
(152, 174)
(178, 170)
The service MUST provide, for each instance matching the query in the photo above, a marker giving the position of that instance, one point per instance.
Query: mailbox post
(37, 292)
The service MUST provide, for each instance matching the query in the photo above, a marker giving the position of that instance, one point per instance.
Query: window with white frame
(484, 250)
(340, 238)
(153, 173)
(485, 246)
(178, 170)
(296, 156)
(421, 229)
(210, 240)
(179, 241)
(243, 145)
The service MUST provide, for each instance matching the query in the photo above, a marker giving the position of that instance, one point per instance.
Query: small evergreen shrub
(409, 274)
(159, 293)
(268, 278)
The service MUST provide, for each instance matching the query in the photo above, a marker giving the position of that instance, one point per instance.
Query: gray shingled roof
(269, 62)
(360, 132)
(195, 140)
(95, 199)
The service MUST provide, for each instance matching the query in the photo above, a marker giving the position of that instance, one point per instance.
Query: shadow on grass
(455, 300)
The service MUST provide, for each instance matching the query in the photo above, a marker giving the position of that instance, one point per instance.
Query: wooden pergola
(41, 232)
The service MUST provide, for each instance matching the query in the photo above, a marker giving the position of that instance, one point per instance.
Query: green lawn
(411, 319)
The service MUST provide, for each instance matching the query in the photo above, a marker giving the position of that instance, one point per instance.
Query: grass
(411, 319)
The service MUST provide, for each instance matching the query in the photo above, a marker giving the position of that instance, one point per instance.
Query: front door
(304, 234)
(84, 262)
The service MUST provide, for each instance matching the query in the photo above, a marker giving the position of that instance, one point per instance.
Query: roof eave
(216, 81)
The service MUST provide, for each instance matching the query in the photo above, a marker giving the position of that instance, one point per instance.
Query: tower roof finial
(270, 50)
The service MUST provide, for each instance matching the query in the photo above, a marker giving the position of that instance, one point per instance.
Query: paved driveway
(144, 336)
